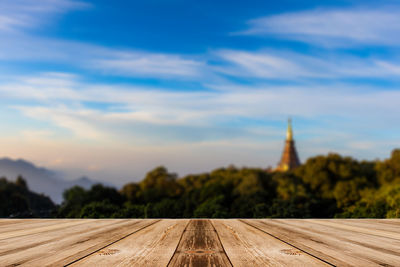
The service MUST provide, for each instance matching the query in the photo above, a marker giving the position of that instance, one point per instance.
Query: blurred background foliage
(323, 187)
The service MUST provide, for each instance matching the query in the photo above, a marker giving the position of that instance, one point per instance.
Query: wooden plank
(382, 224)
(200, 246)
(124, 242)
(17, 244)
(48, 226)
(247, 246)
(329, 243)
(16, 222)
(23, 224)
(66, 249)
(375, 229)
(385, 221)
(153, 246)
(363, 244)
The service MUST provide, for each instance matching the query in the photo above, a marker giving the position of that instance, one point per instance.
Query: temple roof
(289, 159)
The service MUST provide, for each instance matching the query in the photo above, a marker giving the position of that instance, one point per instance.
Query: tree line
(16, 200)
(330, 186)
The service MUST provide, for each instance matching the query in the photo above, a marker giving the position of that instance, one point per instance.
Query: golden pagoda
(289, 159)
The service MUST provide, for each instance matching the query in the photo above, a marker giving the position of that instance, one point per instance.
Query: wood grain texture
(7, 225)
(36, 228)
(200, 247)
(200, 242)
(337, 245)
(58, 247)
(153, 246)
(371, 224)
(247, 246)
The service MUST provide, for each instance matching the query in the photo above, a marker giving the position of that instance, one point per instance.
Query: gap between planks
(209, 242)
(93, 252)
(200, 246)
(292, 245)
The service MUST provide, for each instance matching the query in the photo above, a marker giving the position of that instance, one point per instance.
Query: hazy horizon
(112, 90)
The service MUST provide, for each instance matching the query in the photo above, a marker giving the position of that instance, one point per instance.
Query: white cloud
(287, 65)
(269, 64)
(17, 14)
(74, 120)
(103, 60)
(161, 114)
(265, 65)
(389, 67)
(139, 127)
(17, 17)
(158, 126)
(149, 64)
(334, 27)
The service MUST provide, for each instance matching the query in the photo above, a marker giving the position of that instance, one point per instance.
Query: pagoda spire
(289, 159)
(289, 131)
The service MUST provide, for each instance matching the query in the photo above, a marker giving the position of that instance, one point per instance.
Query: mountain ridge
(41, 179)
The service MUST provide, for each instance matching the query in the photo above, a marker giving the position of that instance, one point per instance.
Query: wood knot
(108, 252)
(291, 251)
(199, 251)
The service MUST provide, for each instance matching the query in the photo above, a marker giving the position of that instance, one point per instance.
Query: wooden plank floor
(202, 242)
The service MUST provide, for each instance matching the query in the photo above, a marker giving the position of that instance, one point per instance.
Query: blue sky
(112, 89)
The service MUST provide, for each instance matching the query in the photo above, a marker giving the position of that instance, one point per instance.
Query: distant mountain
(40, 180)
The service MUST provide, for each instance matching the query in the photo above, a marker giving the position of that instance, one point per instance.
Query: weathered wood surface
(200, 246)
(247, 246)
(203, 242)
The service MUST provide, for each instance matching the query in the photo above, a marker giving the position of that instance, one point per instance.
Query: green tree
(212, 208)
(96, 210)
(159, 184)
(388, 171)
(132, 192)
(16, 200)
(21, 182)
(74, 199)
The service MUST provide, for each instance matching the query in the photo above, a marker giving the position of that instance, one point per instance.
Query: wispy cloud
(287, 65)
(70, 119)
(18, 17)
(382, 26)
(80, 119)
(100, 59)
(149, 65)
(17, 14)
(165, 126)
(145, 113)
(334, 27)
(263, 65)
